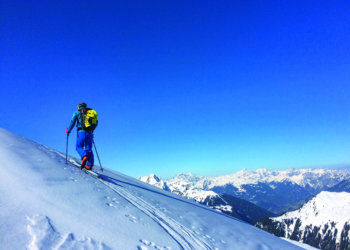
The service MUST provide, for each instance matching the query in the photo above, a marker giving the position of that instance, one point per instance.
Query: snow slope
(305, 246)
(46, 204)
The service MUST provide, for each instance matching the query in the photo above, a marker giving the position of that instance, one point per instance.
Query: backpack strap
(81, 111)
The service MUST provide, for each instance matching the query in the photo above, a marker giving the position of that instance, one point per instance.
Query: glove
(67, 131)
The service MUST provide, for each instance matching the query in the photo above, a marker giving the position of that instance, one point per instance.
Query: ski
(89, 172)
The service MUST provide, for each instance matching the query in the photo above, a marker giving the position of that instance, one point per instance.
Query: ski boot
(83, 162)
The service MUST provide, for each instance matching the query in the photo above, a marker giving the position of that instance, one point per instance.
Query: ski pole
(67, 146)
(97, 155)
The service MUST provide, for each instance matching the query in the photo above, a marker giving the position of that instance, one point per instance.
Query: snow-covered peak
(151, 179)
(322, 222)
(189, 178)
(180, 187)
(291, 170)
(324, 209)
(188, 191)
(156, 181)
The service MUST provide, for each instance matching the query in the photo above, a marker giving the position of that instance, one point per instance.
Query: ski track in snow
(187, 239)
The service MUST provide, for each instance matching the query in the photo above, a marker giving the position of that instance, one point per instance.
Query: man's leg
(80, 145)
(88, 148)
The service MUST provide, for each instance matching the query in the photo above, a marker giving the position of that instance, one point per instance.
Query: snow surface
(302, 245)
(46, 204)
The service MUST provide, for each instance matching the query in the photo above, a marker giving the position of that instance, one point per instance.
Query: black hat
(82, 104)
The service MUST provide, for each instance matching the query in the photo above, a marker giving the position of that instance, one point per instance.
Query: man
(84, 138)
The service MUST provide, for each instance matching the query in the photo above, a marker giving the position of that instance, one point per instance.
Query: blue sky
(182, 86)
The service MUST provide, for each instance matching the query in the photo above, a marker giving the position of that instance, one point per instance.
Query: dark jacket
(77, 118)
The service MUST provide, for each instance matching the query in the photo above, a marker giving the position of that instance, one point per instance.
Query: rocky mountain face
(343, 186)
(260, 194)
(322, 222)
(237, 208)
(290, 207)
(224, 203)
(275, 191)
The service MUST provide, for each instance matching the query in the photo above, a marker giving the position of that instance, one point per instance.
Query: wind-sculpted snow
(44, 236)
(46, 204)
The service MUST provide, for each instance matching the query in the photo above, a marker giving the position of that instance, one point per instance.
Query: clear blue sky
(208, 87)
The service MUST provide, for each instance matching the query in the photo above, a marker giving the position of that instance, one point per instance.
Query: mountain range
(275, 191)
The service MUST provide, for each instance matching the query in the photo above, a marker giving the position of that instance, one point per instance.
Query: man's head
(82, 104)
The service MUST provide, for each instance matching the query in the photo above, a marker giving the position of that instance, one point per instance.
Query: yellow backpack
(88, 118)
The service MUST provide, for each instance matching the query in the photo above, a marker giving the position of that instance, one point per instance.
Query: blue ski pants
(84, 146)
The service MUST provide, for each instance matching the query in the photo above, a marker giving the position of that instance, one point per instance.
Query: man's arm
(72, 122)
